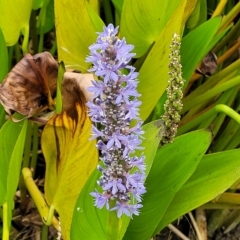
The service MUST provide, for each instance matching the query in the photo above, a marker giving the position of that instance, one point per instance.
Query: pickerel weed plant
(134, 134)
(114, 109)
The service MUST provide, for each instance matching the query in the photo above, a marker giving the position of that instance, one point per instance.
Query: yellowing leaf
(70, 156)
(142, 21)
(75, 32)
(14, 18)
(153, 75)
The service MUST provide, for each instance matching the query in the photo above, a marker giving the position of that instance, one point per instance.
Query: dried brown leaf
(30, 85)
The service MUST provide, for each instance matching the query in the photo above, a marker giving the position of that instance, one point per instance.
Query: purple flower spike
(114, 108)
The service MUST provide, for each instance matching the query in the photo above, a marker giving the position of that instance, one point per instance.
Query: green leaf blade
(90, 222)
(8, 136)
(219, 171)
(173, 165)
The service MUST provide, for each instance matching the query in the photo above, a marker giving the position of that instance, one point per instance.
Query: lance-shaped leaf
(70, 156)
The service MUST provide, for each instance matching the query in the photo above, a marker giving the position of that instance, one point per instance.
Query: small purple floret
(115, 109)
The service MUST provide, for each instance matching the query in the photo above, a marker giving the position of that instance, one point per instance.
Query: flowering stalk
(173, 105)
(114, 110)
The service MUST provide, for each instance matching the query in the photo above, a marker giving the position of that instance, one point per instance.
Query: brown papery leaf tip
(30, 85)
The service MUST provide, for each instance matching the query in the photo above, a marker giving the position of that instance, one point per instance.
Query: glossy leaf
(14, 168)
(70, 156)
(90, 222)
(173, 165)
(194, 48)
(75, 33)
(153, 75)
(214, 175)
(9, 134)
(14, 18)
(142, 21)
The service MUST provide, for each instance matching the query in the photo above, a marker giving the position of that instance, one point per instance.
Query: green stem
(211, 93)
(229, 37)
(10, 56)
(37, 197)
(235, 141)
(229, 111)
(5, 235)
(26, 157)
(33, 162)
(223, 99)
(44, 233)
(61, 71)
(50, 215)
(33, 31)
(107, 11)
(40, 45)
(217, 123)
(54, 48)
(231, 15)
(17, 52)
(211, 112)
(25, 40)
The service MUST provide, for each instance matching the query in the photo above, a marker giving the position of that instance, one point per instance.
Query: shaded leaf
(70, 156)
(90, 222)
(173, 165)
(214, 175)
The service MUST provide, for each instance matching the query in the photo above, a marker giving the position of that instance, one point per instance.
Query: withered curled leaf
(30, 85)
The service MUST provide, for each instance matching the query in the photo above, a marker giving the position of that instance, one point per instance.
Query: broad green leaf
(14, 18)
(194, 47)
(173, 165)
(142, 21)
(153, 75)
(90, 222)
(75, 33)
(16, 161)
(14, 169)
(70, 156)
(214, 175)
(9, 134)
